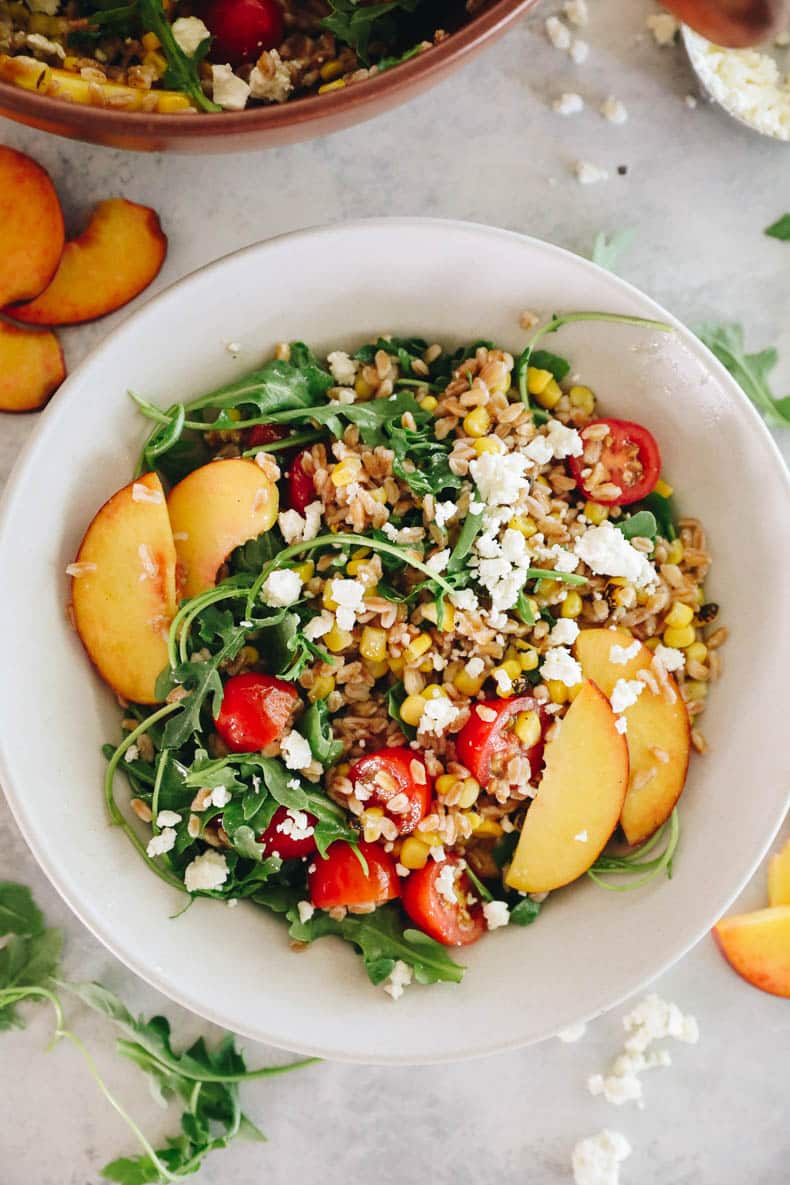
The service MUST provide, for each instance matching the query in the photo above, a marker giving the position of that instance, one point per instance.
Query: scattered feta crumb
(234, 349)
(558, 34)
(189, 32)
(691, 102)
(496, 914)
(576, 12)
(504, 684)
(464, 598)
(220, 797)
(572, 1033)
(563, 441)
(296, 823)
(305, 909)
(564, 633)
(588, 173)
(399, 979)
(597, 1159)
(439, 561)
(669, 657)
(620, 655)
(445, 884)
(437, 716)
(295, 751)
(499, 479)
(348, 595)
(579, 51)
(316, 627)
(232, 902)
(664, 28)
(296, 528)
(44, 45)
(131, 754)
(475, 667)
(344, 367)
(281, 588)
(568, 103)
(207, 871)
(625, 693)
(437, 853)
(273, 84)
(539, 450)
(167, 819)
(161, 843)
(582, 837)
(401, 869)
(443, 513)
(559, 664)
(621, 724)
(228, 90)
(613, 110)
(564, 560)
(607, 552)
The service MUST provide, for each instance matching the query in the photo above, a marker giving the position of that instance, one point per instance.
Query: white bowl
(339, 286)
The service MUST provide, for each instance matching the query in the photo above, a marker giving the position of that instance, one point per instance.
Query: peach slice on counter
(779, 877)
(31, 227)
(31, 367)
(579, 800)
(757, 946)
(215, 509)
(124, 589)
(112, 261)
(658, 733)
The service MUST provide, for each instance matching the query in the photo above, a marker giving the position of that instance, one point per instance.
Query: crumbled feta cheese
(437, 716)
(579, 51)
(43, 44)
(558, 34)
(572, 1033)
(607, 552)
(402, 534)
(514, 547)
(589, 174)
(476, 507)
(161, 843)
(620, 655)
(167, 819)
(274, 83)
(597, 1160)
(399, 978)
(348, 595)
(316, 627)
(295, 751)
(499, 479)
(664, 27)
(207, 871)
(132, 753)
(559, 663)
(189, 32)
(563, 441)
(564, 633)
(625, 693)
(437, 853)
(568, 103)
(475, 667)
(564, 560)
(296, 824)
(220, 797)
(669, 658)
(465, 598)
(305, 909)
(581, 837)
(691, 102)
(439, 561)
(504, 684)
(281, 588)
(576, 11)
(228, 90)
(445, 884)
(539, 450)
(343, 367)
(296, 528)
(621, 724)
(402, 870)
(613, 110)
(496, 914)
(234, 349)
(443, 513)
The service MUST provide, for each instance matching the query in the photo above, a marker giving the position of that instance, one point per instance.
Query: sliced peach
(757, 946)
(31, 367)
(113, 260)
(779, 877)
(124, 589)
(215, 509)
(658, 733)
(579, 799)
(31, 227)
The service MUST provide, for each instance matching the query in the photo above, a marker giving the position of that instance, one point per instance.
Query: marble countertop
(486, 146)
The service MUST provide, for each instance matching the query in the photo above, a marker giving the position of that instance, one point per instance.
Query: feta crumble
(437, 716)
(281, 588)
(443, 513)
(496, 914)
(297, 528)
(539, 450)
(343, 367)
(613, 110)
(445, 884)
(589, 174)
(664, 28)
(475, 667)
(621, 724)
(597, 1159)
(653, 1019)
(220, 797)
(669, 658)
(568, 103)
(500, 479)
(274, 84)
(161, 843)
(316, 627)
(579, 51)
(559, 664)
(295, 751)
(189, 32)
(305, 909)
(228, 90)
(563, 441)
(558, 34)
(564, 633)
(625, 693)
(399, 979)
(564, 560)
(348, 595)
(581, 837)
(439, 561)
(167, 819)
(576, 12)
(620, 655)
(607, 552)
(207, 871)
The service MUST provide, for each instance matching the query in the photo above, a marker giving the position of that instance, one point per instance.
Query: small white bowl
(338, 286)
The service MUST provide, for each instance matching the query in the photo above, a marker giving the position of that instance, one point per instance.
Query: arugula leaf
(406, 349)
(524, 609)
(276, 386)
(643, 523)
(202, 679)
(19, 913)
(663, 512)
(779, 229)
(751, 371)
(30, 958)
(358, 24)
(524, 912)
(317, 728)
(607, 249)
(252, 556)
(463, 544)
(182, 70)
(395, 697)
(545, 360)
(421, 460)
(288, 651)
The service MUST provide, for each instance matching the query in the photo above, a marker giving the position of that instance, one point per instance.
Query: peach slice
(31, 367)
(757, 946)
(31, 227)
(124, 589)
(779, 877)
(579, 799)
(113, 260)
(658, 731)
(215, 509)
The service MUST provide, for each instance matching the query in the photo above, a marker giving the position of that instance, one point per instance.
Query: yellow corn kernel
(484, 827)
(445, 783)
(363, 389)
(524, 524)
(541, 481)
(379, 495)
(583, 398)
(331, 70)
(337, 85)
(70, 63)
(432, 838)
(337, 639)
(248, 655)
(448, 620)
(548, 588)
(373, 644)
(695, 689)
(527, 728)
(572, 605)
(156, 61)
(433, 691)
(538, 380)
(489, 444)
(595, 512)
(529, 659)
(342, 769)
(426, 666)
(664, 488)
(354, 567)
(675, 551)
(512, 667)
(377, 669)
(171, 102)
(429, 403)
(396, 665)
(679, 615)
(305, 571)
(326, 597)
(550, 395)
(558, 692)
(696, 652)
(652, 643)
(323, 686)
(346, 471)
(469, 794)
(467, 684)
(477, 422)
(626, 597)
(680, 637)
(412, 708)
(360, 553)
(418, 646)
(151, 42)
(414, 854)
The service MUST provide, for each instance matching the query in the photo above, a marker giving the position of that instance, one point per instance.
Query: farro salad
(174, 56)
(404, 641)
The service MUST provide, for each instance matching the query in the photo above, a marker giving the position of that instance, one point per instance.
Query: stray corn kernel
(469, 793)
(363, 389)
(679, 615)
(326, 597)
(583, 398)
(429, 403)
(418, 646)
(432, 838)
(337, 639)
(323, 686)
(331, 70)
(574, 691)
(337, 85)
(248, 655)
(346, 471)
(448, 620)
(477, 422)
(467, 684)
(529, 659)
(171, 102)
(538, 380)
(156, 60)
(151, 41)
(373, 644)
(675, 551)
(379, 495)
(396, 665)
(412, 708)
(489, 444)
(680, 638)
(663, 488)
(696, 652)
(595, 512)
(558, 692)
(377, 669)
(305, 571)
(414, 854)
(572, 605)
(433, 691)
(524, 524)
(652, 643)
(484, 827)
(550, 395)
(445, 783)
(527, 728)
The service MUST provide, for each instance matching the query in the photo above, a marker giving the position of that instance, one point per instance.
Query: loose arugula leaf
(406, 349)
(317, 728)
(662, 510)
(524, 912)
(556, 366)
(607, 249)
(779, 229)
(182, 71)
(358, 24)
(252, 556)
(202, 680)
(19, 913)
(633, 866)
(277, 386)
(524, 609)
(463, 544)
(26, 962)
(751, 371)
(288, 650)
(643, 524)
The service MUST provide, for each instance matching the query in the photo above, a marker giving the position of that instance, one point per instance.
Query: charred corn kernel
(675, 551)
(379, 495)
(171, 102)
(337, 85)
(596, 513)
(345, 471)
(484, 827)
(445, 783)
(248, 655)
(467, 684)
(664, 488)
(477, 422)
(679, 615)
(377, 669)
(572, 605)
(651, 643)
(155, 61)
(550, 395)
(558, 692)
(527, 728)
(331, 70)
(323, 686)
(525, 525)
(151, 41)
(679, 637)
(305, 571)
(469, 793)
(326, 597)
(695, 689)
(430, 613)
(489, 444)
(583, 398)
(414, 854)
(696, 652)
(433, 691)
(529, 659)
(373, 644)
(412, 708)
(337, 639)
(538, 380)
(363, 389)
(418, 646)
(396, 665)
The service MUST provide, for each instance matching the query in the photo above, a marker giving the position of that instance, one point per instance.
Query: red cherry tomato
(243, 28)
(256, 710)
(339, 879)
(285, 836)
(484, 746)
(394, 774)
(301, 489)
(428, 902)
(630, 457)
(260, 434)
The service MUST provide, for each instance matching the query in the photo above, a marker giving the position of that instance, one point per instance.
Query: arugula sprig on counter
(779, 229)
(751, 371)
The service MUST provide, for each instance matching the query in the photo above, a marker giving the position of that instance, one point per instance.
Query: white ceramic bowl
(339, 286)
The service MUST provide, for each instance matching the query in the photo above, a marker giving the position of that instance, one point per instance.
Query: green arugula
(751, 371)
(421, 460)
(395, 697)
(663, 512)
(633, 866)
(359, 24)
(607, 249)
(182, 70)
(524, 912)
(779, 229)
(558, 367)
(642, 524)
(470, 529)
(317, 728)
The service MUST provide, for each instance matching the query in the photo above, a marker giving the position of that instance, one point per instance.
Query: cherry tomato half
(301, 489)
(396, 775)
(260, 434)
(243, 28)
(439, 903)
(631, 458)
(484, 745)
(287, 834)
(340, 879)
(256, 711)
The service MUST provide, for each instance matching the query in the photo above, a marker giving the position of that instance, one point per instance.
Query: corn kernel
(379, 495)
(675, 551)
(363, 389)
(377, 669)
(346, 471)
(664, 488)
(305, 571)
(414, 854)
(696, 652)
(477, 422)
(396, 665)
(574, 691)
(550, 395)
(695, 689)
(412, 708)
(431, 838)
(323, 686)
(373, 644)
(595, 512)
(467, 684)
(326, 597)
(572, 605)
(512, 667)
(445, 783)
(680, 637)
(469, 793)
(538, 380)
(527, 728)
(529, 660)
(679, 615)
(418, 646)
(489, 444)
(448, 620)
(354, 567)
(485, 827)
(151, 41)
(337, 639)
(71, 63)
(426, 666)
(171, 102)
(433, 691)
(156, 61)
(429, 403)
(331, 70)
(523, 524)
(583, 398)
(652, 643)
(248, 655)
(558, 692)
(337, 85)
